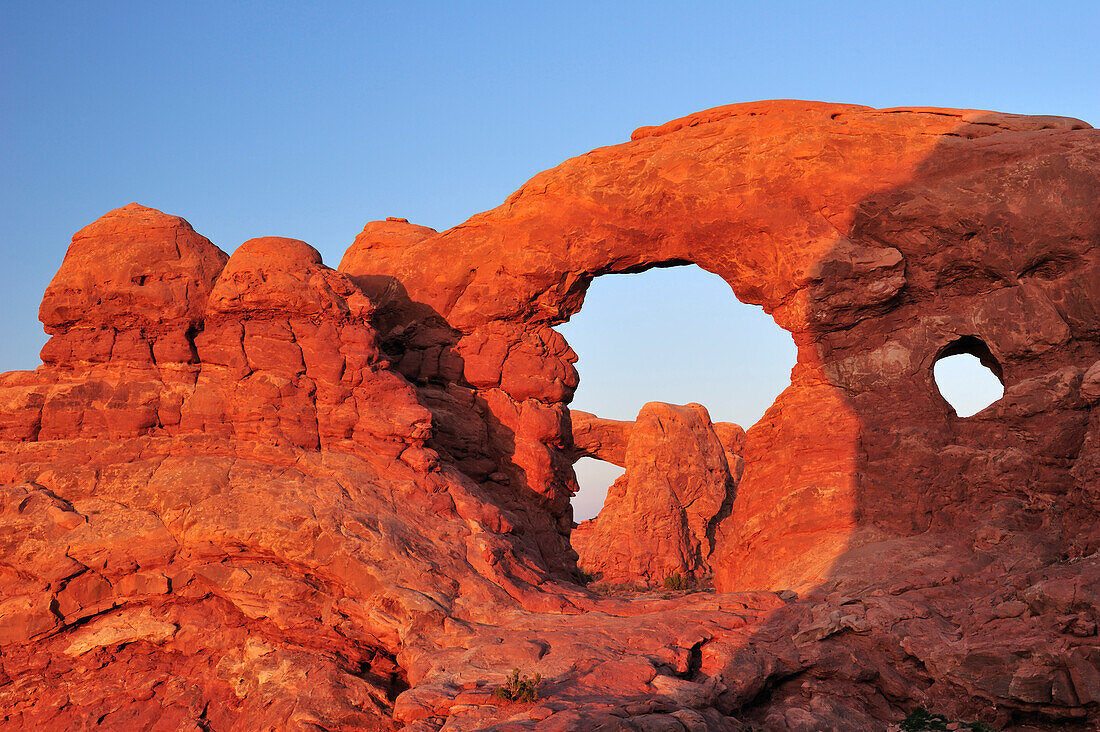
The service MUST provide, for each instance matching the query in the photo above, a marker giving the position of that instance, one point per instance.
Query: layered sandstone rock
(257, 492)
(659, 518)
(599, 438)
(225, 513)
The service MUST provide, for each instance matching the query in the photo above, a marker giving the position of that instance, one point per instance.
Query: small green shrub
(922, 720)
(676, 581)
(519, 689)
(615, 589)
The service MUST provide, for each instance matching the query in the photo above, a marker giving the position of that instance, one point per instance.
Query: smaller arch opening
(594, 477)
(968, 376)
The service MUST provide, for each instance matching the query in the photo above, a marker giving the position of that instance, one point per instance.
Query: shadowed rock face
(253, 490)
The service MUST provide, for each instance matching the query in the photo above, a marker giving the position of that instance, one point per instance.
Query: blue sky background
(310, 119)
(671, 335)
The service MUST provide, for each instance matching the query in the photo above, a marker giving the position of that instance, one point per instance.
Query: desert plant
(519, 689)
(615, 589)
(676, 581)
(922, 720)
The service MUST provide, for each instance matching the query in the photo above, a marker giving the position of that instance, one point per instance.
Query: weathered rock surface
(605, 439)
(659, 518)
(596, 437)
(255, 492)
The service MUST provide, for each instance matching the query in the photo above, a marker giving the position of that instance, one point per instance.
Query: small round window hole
(968, 376)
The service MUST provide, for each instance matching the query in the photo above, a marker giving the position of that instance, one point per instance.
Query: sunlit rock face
(657, 524)
(256, 492)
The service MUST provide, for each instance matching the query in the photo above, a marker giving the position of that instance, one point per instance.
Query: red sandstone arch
(219, 487)
(873, 236)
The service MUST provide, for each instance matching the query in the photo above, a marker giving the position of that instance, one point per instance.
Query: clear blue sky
(671, 335)
(309, 119)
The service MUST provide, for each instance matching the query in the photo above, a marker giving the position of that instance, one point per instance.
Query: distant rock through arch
(675, 335)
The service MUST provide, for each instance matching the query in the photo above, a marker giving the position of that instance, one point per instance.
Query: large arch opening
(676, 335)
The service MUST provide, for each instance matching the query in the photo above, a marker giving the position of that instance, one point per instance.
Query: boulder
(658, 521)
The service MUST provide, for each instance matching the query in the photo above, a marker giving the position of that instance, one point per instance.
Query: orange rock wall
(253, 490)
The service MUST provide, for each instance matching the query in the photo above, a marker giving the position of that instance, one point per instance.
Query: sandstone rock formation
(599, 438)
(254, 492)
(659, 518)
